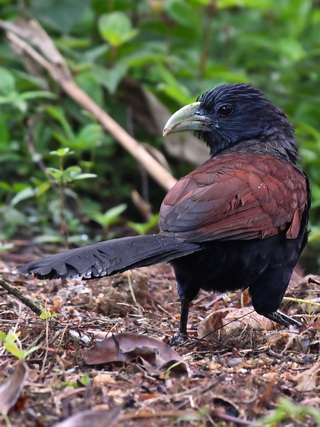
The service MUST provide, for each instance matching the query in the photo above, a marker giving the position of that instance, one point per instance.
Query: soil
(235, 374)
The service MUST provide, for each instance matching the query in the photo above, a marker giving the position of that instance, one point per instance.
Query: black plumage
(238, 221)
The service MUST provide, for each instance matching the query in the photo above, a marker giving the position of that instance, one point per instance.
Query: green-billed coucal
(238, 221)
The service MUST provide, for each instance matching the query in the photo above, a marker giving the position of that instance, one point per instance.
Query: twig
(30, 32)
(157, 414)
(158, 172)
(302, 301)
(143, 206)
(232, 419)
(36, 308)
(311, 280)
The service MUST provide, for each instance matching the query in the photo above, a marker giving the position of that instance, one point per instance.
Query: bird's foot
(179, 338)
(283, 319)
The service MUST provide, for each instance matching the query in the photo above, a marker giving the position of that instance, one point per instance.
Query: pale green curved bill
(187, 119)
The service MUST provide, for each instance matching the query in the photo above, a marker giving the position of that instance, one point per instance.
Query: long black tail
(110, 257)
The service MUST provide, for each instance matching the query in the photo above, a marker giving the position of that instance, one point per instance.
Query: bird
(238, 221)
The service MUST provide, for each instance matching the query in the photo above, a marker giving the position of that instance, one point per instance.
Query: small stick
(25, 300)
(311, 280)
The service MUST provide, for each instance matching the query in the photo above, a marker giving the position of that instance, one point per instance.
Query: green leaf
(90, 133)
(115, 211)
(259, 4)
(18, 100)
(47, 315)
(84, 176)
(201, 2)
(110, 217)
(25, 353)
(4, 132)
(85, 380)
(54, 173)
(62, 15)
(90, 84)
(37, 94)
(48, 239)
(71, 173)
(13, 349)
(116, 28)
(5, 186)
(73, 169)
(110, 78)
(12, 336)
(144, 227)
(62, 152)
(182, 12)
(27, 193)
(68, 384)
(42, 188)
(291, 49)
(13, 216)
(58, 114)
(15, 100)
(7, 82)
(90, 136)
(5, 247)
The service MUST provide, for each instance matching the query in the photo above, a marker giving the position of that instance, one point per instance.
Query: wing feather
(253, 197)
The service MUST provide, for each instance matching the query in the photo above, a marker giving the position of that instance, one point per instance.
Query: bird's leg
(267, 294)
(185, 304)
(283, 319)
(182, 336)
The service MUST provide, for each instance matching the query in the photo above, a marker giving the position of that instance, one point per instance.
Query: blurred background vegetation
(53, 152)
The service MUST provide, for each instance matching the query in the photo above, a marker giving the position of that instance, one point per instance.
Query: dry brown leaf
(281, 341)
(127, 348)
(235, 326)
(231, 319)
(307, 380)
(102, 379)
(98, 418)
(11, 389)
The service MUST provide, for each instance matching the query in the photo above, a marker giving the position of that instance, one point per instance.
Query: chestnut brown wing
(230, 198)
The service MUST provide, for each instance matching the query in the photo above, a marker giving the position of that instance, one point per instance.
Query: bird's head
(232, 114)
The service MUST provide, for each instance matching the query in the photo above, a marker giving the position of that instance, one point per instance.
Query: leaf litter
(104, 355)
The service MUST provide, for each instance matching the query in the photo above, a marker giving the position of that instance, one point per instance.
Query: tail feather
(110, 257)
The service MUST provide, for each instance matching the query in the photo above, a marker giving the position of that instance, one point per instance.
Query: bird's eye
(225, 110)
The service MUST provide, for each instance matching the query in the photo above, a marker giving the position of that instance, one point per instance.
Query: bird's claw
(283, 319)
(179, 338)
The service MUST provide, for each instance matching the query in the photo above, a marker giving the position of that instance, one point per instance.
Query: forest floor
(245, 370)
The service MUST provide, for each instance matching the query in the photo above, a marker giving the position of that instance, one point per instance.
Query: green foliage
(145, 227)
(110, 217)
(116, 28)
(10, 96)
(12, 344)
(291, 411)
(47, 315)
(174, 48)
(84, 381)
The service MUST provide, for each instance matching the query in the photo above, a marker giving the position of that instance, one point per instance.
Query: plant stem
(35, 307)
(63, 224)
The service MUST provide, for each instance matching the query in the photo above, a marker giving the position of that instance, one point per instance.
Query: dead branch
(25, 300)
(29, 39)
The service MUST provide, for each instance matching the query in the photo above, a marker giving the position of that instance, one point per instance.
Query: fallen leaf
(231, 319)
(98, 418)
(307, 380)
(127, 348)
(235, 327)
(281, 341)
(101, 379)
(11, 389)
